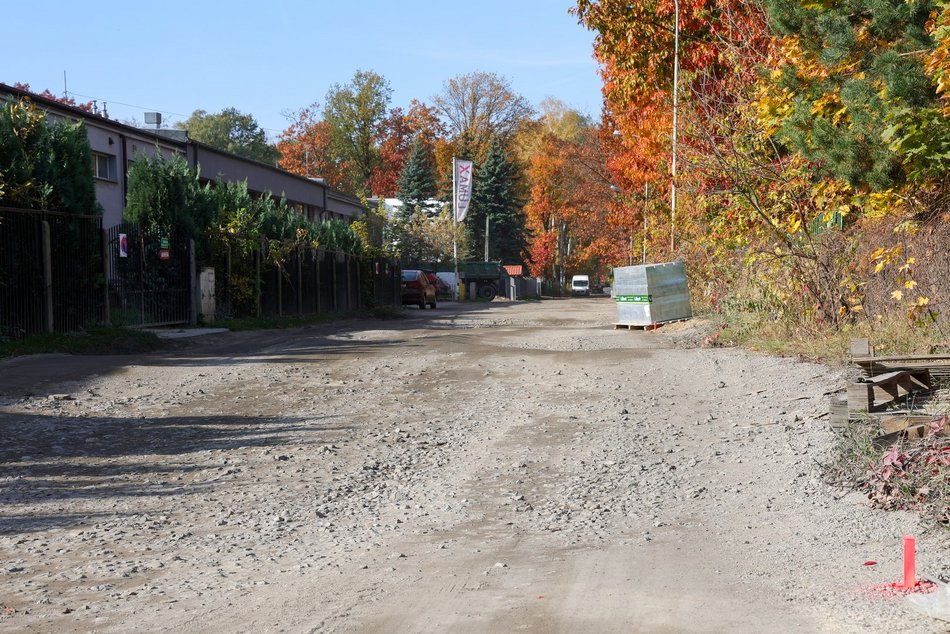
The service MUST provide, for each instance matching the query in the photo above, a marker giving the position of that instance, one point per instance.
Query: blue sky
(271, 58)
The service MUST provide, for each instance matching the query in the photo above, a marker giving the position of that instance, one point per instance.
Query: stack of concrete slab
(651, 294)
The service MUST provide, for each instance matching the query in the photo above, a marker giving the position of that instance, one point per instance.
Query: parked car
(441, 286)
(418, 289)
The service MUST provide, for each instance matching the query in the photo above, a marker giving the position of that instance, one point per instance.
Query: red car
(417, 289)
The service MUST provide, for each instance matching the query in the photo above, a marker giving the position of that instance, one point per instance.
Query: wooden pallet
(619, 326)
(632, 327)
(911, 432)
(872, 393)
(938, 364)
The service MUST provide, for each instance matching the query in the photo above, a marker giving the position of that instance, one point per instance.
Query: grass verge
(827, 344)
(106, 340)
(908, 475)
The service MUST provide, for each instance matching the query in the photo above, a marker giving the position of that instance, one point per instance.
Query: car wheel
(422, 304)
(433, 305)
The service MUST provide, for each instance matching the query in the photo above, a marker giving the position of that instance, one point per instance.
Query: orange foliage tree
(575, 222)
(400, 130)
(635, 47)
(304, 148)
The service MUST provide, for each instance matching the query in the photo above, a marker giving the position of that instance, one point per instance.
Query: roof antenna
(65, 91)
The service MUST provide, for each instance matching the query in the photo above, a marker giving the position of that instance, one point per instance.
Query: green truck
(487, 277)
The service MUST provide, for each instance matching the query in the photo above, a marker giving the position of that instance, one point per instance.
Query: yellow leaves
(909, 227)
(880, 204)
(772, 109)
(829, 106)
(898, 295)
(910, 284)
(923, 300)
(883, 256)
(794, 225)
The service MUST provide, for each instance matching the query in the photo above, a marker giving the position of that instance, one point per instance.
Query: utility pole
(676, 76)
(486, 237)
(646, 200)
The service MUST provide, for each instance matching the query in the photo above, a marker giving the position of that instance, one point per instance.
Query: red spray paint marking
(654, 326)
(897, 589)
(910, 562)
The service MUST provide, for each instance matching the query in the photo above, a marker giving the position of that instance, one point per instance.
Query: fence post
(396, 284)
(192, 283)
(257, 282)
(359, 286)
(227, 288)
(47, 277)
(106, 309)
(299, 281)
(280, 291)
(334, 285)
(349, 284)
(319, 282)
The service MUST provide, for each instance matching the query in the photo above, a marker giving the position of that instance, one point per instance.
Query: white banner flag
(463, 188)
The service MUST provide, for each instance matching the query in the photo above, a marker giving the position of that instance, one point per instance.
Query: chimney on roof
(153, 119)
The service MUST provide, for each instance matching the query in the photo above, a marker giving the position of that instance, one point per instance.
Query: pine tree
(495, 195)
(417, 181)
(858, 70)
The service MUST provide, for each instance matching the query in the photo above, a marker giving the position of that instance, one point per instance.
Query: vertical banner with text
(463, 188)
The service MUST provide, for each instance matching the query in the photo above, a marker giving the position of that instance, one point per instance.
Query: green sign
(164, 243)
(634, 299)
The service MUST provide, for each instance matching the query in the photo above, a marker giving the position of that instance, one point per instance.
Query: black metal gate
(150, 277)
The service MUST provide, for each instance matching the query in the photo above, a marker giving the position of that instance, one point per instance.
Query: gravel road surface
(480, 468)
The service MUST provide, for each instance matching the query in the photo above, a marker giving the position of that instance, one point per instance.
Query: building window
(103, 167)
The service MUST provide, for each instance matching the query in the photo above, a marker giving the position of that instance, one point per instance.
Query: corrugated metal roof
(514, 269)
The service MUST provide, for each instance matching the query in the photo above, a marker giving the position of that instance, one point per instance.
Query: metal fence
(307, 281)
(150, 276)
(62, 272)
(51, 272)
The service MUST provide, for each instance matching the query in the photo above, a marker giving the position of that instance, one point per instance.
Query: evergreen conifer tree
(860, 69)
(417, 181)
(495, 195)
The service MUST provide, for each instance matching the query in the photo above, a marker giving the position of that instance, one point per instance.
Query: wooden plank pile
(889, 382)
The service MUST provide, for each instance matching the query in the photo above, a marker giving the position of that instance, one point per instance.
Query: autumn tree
(87, 106)
(478, 107)
(399, 130)
(232, 131)
(421, 239)
(354, 114)
(305, 149)
(575, 221)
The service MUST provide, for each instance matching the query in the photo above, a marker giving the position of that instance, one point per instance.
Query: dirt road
(491, 468)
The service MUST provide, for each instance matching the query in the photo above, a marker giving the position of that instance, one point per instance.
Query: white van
(580, 285)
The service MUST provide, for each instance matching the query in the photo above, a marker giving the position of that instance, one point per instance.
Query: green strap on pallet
(634, 299)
